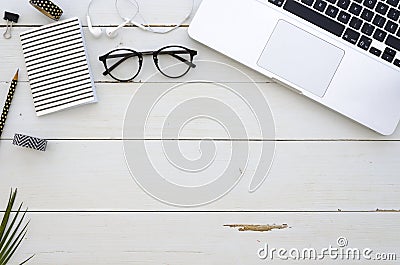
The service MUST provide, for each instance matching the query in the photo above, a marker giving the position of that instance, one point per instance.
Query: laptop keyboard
(371, 25)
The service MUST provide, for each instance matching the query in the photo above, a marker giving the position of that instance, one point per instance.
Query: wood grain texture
(305, 176)
(331, 177)
(199, 238)
(103, 12)
(295, 117)
(133, 38)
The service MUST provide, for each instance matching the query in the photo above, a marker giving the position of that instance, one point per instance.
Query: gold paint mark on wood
(258, 228)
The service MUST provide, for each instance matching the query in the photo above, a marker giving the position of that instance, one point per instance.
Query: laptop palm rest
(301, 58)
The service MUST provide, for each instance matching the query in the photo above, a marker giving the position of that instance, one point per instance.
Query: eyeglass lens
(174, 61)
(123, 64)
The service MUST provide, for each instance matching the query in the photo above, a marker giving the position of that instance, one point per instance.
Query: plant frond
(7, 213)
(11, 233)
(2, 242)
(28, 259)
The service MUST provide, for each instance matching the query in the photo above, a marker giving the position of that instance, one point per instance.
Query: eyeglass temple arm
(126, 56)
(174, 54)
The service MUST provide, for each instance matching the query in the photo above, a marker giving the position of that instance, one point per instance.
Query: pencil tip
(16, 75)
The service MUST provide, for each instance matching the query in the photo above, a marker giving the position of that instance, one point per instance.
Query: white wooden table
(331, 177)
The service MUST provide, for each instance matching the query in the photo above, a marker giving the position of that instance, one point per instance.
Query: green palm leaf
(11, 235)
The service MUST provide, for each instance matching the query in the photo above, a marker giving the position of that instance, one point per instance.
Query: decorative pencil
(7, 105)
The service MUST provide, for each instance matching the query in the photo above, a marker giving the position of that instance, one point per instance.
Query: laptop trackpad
(301, 58)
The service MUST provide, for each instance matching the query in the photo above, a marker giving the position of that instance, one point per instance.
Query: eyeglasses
(125, 64)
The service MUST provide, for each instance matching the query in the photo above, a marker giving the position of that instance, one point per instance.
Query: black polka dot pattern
(7, 105)
(48, 8)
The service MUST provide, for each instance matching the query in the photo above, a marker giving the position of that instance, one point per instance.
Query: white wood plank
(133, 38)
(85, 174)
(200, 238)
(301, 118)
(295, 117)
(309, 176)
(103, 12)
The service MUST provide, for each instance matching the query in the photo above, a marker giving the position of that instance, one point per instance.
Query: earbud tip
(111, 33)
(97, 36)
(96, 33)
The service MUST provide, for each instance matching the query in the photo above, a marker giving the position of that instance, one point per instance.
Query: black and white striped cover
(57, 66)
(30, 142)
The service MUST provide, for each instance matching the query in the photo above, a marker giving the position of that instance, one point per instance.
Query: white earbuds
(96, 32)
(112, 32)
(146, 26)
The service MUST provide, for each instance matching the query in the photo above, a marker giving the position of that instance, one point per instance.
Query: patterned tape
(48, 8)
(30, 142)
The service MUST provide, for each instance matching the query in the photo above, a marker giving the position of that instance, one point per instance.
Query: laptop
(344, 54)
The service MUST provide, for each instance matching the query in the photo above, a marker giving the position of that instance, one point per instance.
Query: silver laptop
(344, 54)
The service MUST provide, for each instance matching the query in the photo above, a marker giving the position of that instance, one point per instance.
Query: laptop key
(332, 11)
(367, 29)
(276, 2)
(391, 26)
(389, 51)
(394, 3)
(387, 57)
(308, 2)
(397, 62)
(379, 35)
(355, 23)
(320, 5)
(367, 15)
(369, 3)
(364, 43)
(314, 17)
(393, 14)
(343, 17)
(344, 4)
(375, 51)
(381, 8)
(379, 21)
(393, 42)
(332, 1)
(355, 9)
(351, 36)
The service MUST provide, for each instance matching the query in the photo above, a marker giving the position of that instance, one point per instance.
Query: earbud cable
(146, 26)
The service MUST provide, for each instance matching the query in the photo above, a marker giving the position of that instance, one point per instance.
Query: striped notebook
(57, 66)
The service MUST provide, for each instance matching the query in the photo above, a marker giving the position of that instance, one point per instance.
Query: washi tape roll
(48, 8)
(30, 142)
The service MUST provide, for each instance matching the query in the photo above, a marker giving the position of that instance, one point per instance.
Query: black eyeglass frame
(140, 55)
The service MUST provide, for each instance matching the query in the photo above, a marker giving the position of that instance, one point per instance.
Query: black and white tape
(48, 8)
(30, 142)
